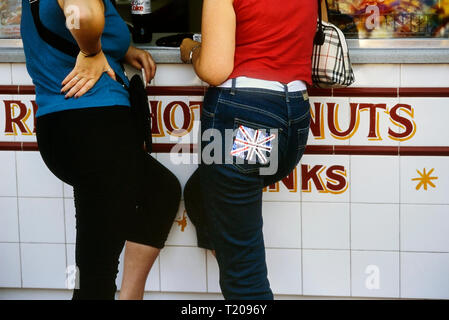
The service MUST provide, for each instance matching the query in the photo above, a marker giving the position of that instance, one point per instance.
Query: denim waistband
(292, 94)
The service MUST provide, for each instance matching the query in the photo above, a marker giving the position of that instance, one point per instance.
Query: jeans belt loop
(234, 84)
(287, 98)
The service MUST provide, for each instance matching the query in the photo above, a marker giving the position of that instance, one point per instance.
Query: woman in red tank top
(256, 56)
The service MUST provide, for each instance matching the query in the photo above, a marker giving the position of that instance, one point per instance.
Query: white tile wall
(429, 130)
(213, 273)
(9, 220)
(425, 228)
(5, 74)
(282, 224)
(437, 194)
(375, 274)
(70, 221)
(183, 269)
(10, 272)
(68, 191)
(177, 236)
(424, 275)
(326, 272)
(375, 179)
(282, 262)
(43, 265)
(70, 251)
(8, 184)
(375, 75)
(41, 220)
(34, 178)
(185, 75)
(382, 124)
(20, 74)
(424, 75)
(325, 225)
(374, 226)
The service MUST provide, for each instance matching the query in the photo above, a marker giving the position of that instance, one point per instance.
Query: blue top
(48, 66)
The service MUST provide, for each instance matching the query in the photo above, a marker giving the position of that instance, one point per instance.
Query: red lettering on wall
(373, 118)
(333, 123)
(408, 126)
(14, 120)
(309, 175)
(317, 120)
(336, 179)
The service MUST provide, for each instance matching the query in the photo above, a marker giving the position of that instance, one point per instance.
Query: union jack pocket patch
(253, 145)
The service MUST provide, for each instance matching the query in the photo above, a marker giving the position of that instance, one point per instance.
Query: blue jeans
(224, 200)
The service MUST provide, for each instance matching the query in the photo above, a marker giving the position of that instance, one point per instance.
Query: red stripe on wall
(367, 150)
(442, 92)
(9, 89)
(365, 92)
(176, 91)
(424, 92)
(310, 149)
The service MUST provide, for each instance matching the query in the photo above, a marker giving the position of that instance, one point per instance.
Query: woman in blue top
(87, 138)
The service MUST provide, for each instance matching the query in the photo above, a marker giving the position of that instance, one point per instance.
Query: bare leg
(139, 259)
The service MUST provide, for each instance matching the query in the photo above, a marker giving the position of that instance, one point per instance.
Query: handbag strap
(55, 40)
(50, 37)
(319, 35)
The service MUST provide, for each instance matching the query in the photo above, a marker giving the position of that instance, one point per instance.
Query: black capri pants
(121, 192)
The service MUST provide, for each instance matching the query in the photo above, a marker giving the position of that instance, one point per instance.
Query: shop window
(380, 19)
(10, 14)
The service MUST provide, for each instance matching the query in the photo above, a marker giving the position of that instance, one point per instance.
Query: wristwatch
(192, 50)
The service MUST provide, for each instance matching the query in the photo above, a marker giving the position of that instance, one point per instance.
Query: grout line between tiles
(18, 218)
(350, 230)
(271, 248)
(399, 226)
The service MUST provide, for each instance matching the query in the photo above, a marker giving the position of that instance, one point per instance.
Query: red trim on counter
(310, 149)
(442, 92)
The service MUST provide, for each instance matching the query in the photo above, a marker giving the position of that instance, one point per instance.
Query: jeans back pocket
(253, 147)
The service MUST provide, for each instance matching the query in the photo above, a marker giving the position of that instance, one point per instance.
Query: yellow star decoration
(425, 179)
(182, 222)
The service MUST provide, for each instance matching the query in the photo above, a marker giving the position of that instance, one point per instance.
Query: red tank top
(274, 39)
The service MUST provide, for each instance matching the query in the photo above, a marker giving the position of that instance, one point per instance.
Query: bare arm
(214, 61)
(85, 19)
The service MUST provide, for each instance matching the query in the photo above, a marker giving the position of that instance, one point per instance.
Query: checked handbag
(331, 67)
